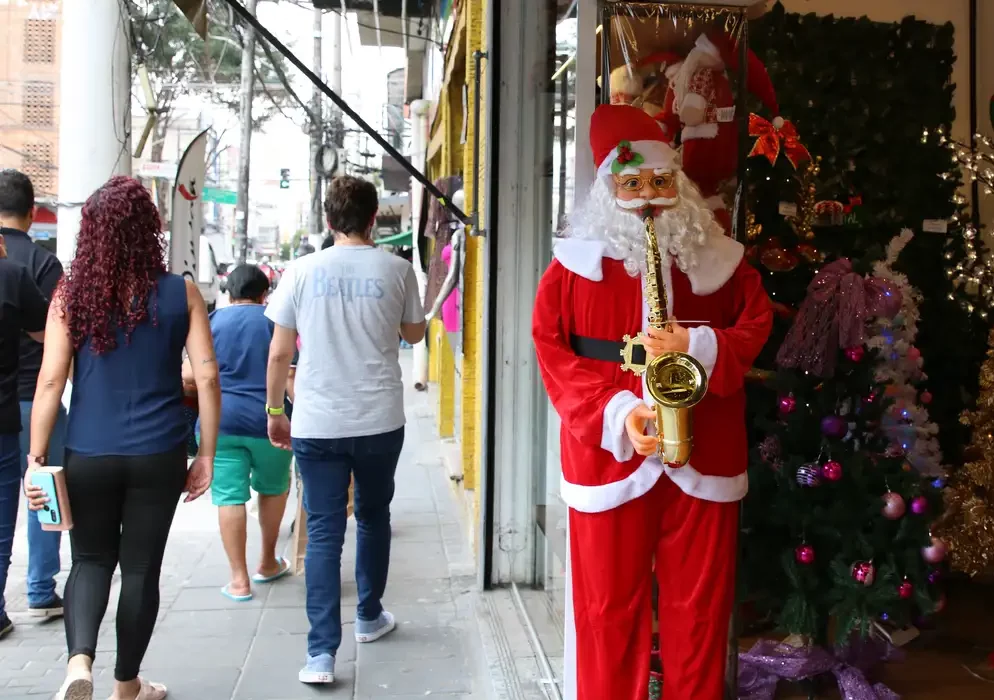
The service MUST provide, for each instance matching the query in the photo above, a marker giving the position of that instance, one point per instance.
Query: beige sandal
(79, 687)
(150, 691)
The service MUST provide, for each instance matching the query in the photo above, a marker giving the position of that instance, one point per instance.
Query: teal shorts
(243, 462)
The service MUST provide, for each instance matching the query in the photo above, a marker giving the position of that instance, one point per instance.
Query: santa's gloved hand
(635, 423)
(675, 338)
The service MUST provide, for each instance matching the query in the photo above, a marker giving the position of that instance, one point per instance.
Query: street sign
(213, 194)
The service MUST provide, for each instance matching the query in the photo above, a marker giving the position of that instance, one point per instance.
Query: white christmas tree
(906, 422)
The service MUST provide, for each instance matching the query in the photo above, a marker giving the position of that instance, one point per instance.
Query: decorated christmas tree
(837, 519)
(906, 421)
(968, 524)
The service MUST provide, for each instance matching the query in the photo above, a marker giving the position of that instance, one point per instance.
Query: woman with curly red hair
(121, 322)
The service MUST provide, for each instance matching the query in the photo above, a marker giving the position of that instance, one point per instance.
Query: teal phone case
(49, 515)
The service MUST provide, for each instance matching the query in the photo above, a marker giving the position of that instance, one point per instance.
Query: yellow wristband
(274, 411)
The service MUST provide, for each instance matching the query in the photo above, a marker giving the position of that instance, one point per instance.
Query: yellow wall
(474, 314)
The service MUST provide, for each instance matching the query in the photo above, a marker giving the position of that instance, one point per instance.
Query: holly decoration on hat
(627, 158)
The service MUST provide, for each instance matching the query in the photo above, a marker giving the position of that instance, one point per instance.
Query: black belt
(606, 350)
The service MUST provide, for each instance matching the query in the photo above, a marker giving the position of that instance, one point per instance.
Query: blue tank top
(129, 401)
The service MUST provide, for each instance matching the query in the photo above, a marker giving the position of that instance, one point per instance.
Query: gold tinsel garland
(688, 12)
(968, 524)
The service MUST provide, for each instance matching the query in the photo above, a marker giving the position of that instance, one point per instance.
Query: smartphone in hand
(56, 514)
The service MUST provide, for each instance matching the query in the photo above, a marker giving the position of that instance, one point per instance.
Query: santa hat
(625, 139)
(757, 78)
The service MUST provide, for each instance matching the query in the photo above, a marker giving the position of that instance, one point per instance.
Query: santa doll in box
(645, 87)
(699, 99)
(627, 509)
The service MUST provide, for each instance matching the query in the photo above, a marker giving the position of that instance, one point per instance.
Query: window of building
(37, 164)
(39, 103)
(39, 41)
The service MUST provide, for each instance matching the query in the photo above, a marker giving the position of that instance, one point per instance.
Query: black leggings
(122, 509)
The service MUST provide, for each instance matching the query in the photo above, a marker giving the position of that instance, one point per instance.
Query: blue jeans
(325, 467)
(10, 496)
(43, 547)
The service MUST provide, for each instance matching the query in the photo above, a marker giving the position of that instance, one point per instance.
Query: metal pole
(742, 115)
(315, 226)
(563, 111)
(335, 79)
(245, 147)
(95, 109)
(607, 20)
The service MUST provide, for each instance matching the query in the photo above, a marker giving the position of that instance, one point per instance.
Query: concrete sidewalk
(208, 648)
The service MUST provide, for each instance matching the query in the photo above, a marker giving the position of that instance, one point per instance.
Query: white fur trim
(701, 131)
(614, 438)
(672, 70)
(694, 100)
(716, 202)
(656, 154)
(597, 499)
(704, 347)
(717, 489)
(716, 263)
(581, 256)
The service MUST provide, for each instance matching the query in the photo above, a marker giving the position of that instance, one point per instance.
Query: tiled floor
(208, 648)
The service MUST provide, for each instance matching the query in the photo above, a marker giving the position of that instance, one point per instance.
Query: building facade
(30, 37)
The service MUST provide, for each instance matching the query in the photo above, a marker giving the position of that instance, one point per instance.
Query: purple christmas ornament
(809, 475)
(834, 427)
(919, 505)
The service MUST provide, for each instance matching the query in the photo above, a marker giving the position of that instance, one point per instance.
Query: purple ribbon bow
(832, 316)
(769, 662)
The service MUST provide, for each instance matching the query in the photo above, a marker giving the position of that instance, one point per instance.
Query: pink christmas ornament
(855, 353)
(890, 299)
(788, 404)
(831, 470)
(914, 354)
(864, 572)
(926, 397)
(805, 554)
(919, 505)
(905, 590)
(894, 506)
(936, 552)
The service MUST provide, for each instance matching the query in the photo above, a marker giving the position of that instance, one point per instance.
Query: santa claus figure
(645, 86)
(630, 515)
(700, 100)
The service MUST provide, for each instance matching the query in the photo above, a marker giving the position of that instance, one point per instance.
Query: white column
(419, 153)
(587, 61)
(519, 243)
(94, 108)
(339, 25)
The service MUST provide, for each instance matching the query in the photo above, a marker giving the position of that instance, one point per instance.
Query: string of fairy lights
(972, 272)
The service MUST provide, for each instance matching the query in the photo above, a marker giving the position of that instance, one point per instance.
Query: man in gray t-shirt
(348, 304)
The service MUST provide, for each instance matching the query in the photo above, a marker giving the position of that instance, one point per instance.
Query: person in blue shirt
(245, 459)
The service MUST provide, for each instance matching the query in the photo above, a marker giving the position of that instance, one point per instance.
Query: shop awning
(405, 239)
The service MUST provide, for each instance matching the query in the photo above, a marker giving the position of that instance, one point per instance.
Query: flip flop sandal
(76, 688)
(284, 570)
(151, 691)
(231, 596)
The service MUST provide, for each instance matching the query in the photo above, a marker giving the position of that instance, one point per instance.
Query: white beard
(682, 231)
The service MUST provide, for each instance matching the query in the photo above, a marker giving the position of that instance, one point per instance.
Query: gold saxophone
(675, 380)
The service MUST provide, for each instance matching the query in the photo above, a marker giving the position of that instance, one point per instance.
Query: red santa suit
(700, 98)
(626, 511)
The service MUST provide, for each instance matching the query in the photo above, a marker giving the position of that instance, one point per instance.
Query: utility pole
(419, 153)
(95, 108)
(336, 74)
(317, 136)
(244, 152)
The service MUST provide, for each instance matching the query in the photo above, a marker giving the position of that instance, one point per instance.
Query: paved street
(206, 647)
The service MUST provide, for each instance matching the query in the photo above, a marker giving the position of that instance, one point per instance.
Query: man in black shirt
(22, 309)
(17, 205)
